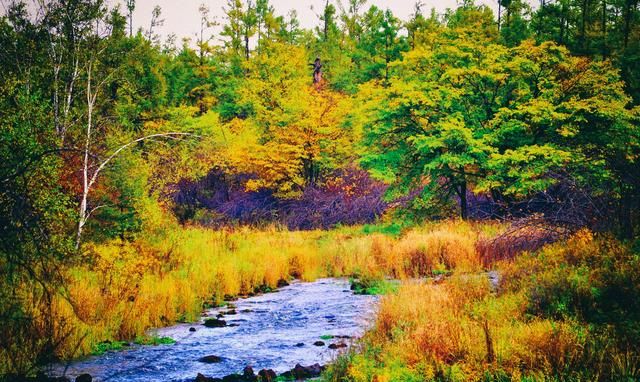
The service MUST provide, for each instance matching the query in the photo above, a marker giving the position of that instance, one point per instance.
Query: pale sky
(182, 18)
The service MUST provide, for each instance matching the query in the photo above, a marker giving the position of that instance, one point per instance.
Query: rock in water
(202, 378)
(300, 372)
(192, 329)
(319, 343)
(215, 323)
(233, 378)
(84, 378)
(248, 373)
(210, 359)
(267, 375)
(306, 372)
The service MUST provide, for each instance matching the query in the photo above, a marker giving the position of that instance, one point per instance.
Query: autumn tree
(297, 129)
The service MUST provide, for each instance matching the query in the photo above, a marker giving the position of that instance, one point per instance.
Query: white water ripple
(270, 329)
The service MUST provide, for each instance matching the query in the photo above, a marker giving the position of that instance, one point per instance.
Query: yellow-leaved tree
(297, 129)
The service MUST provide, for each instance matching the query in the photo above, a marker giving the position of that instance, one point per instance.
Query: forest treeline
(113, 134)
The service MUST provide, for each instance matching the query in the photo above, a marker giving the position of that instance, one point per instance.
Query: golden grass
(439, 332)
(127, 288)
(539, 324)
(456, 329)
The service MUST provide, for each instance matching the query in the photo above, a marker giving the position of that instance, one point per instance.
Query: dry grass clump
(525, 235)
(426, 253)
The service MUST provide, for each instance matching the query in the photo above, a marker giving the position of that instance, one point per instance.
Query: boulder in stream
(52, 379)
(318, 343)
(215, 323)
(247, 376)
(234, 378)
(202, 378)
(84, 378)
(248, 373)
(303, 372)
(210, 359)
(267, 375)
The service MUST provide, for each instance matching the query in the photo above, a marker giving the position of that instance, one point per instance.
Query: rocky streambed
(292, 332)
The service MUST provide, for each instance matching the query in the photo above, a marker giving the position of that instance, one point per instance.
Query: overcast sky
(181, 16)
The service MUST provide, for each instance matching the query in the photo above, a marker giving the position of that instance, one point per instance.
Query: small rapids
(274, 331)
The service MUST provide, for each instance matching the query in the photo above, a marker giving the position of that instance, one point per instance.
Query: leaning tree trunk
(462, 194)
(626, 215)
(630, 6)
(604, 29)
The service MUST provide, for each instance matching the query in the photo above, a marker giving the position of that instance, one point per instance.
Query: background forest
(132, 167)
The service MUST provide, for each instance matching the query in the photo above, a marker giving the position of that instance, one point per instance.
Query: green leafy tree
(36, 225)
(232, 29)
(380, 44)
(265, 21)
(514, 26)
(492, 119)
(329, 30)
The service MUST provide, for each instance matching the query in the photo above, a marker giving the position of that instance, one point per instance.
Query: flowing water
(274, 331)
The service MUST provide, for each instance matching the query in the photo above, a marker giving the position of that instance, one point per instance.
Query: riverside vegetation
(486, 161)
(117, 300)
(563, 313)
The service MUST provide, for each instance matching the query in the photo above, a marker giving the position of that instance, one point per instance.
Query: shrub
(346, 197)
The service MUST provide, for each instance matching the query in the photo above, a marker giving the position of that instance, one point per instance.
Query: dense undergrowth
(568, 312)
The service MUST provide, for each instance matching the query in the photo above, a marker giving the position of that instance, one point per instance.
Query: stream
(271, 331)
